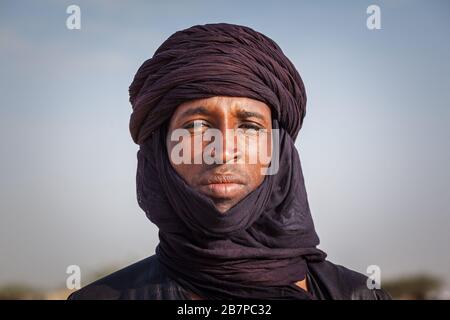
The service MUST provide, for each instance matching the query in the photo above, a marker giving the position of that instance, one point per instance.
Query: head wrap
(261, 246)
(215, 60)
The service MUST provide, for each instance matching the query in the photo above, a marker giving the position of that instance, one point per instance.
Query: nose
(230, 152)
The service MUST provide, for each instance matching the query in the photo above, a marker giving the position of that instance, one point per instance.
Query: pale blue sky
(374, 144)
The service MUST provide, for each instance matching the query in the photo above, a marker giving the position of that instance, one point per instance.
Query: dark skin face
(226, 183)
(223, 113)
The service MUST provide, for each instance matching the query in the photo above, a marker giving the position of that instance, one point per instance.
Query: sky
(374, 143)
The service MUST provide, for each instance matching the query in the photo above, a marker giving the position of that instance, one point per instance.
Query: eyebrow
(240, 113)
(200, 110)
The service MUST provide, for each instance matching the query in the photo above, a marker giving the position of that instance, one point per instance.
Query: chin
(223, 207)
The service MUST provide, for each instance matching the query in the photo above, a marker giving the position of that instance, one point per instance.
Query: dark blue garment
(146, 280)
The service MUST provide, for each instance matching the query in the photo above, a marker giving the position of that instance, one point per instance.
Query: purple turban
(215, 60)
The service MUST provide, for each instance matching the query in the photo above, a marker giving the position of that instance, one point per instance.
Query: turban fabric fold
(261, 246)
(215, 60)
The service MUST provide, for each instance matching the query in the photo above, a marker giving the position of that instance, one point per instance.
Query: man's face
(237, 174)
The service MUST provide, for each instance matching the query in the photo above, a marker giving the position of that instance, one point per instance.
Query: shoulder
(144, 279)
(334, 281)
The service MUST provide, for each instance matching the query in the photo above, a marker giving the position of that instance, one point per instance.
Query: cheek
(187, 172)
(258, 154)
(256, 150)
(181, 156)
(187, 150)
(256, 176)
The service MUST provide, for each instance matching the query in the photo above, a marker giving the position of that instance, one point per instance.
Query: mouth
(222, 186)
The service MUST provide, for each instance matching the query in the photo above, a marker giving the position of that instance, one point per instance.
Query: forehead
(222, 106)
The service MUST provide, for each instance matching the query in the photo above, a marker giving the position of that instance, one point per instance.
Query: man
(211, 98)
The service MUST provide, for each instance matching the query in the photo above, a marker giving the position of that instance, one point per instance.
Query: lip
(221, 179)
(224, 186)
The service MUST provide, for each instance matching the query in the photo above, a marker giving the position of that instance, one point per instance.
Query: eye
(251, 126)
(196, 124)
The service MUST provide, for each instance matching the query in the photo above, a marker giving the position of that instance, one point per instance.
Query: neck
(302, 284)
